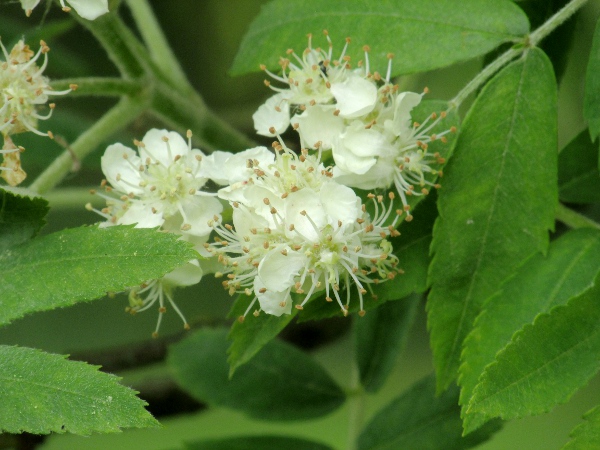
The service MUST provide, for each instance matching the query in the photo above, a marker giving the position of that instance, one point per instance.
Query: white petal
(318, 123)
(186, 275)
(277, 271)
(402, 122)
(89, 9)
(365, 142)
(121, 173)
(267, 116)
(380, 175)
(29, 4)
(347, 161)
(141, 215)
(340, 203)
(229, 168)
(305, 200)
(355, 96)
(244, 220)
(270, 301)
(157, 149)
(198, 211)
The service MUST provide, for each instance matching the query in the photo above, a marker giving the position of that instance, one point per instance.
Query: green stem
(71, 198)
(156, 41)
(356, 409)
(530, 41)
(114, 120)
(573, 219)
(97, 86)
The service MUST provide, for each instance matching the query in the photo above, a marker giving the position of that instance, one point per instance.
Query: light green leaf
(591, 101)
(253, 333)
(257, 443)
(422, 35)
(279, 383)
(380, 337)
(568, 270)
(578, 176)
(82, 264)
(420, 420)
(22, 215)
(587, 435)
(545, 363)
(497, 201)
(43, 393)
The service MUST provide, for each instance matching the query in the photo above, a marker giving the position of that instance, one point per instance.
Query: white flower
(88, 9)
(229, 168)
(315, 79)
(10, 169)
(295, 230)
(24, 88)
(159, 187)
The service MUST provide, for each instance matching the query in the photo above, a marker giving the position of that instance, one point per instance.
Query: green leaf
(423, 35)
(253, 333)
(497, 201)
(542, 283)
(591, 101)
(279, 383)
(82, 264)
(256, 443)
(586, 435)
(545, 363)
(380, 338)
(578, 176)
(43, 393)
(420, 420)
(22, 215)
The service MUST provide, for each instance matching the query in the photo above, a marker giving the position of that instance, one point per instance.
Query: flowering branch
(99, 86)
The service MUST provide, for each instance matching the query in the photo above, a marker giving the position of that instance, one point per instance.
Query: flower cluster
(360, 116)
(23, 89)
(159, 186)
(296, 230)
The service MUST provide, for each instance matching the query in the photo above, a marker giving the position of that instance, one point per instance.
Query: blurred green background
(205, 36)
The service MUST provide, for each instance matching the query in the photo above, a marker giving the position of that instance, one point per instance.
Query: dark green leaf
(497, 201)
(545, 363)
(587, 435)
(420, 420)
(82, 264)
(578, 177)
(568, 270)
(21, 216)
(43, 393)
(591, 101)
(380, 338)
(257, 443)
(279, 383)
(253, 333)
(423, 35)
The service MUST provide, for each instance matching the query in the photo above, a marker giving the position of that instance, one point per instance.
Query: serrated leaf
(279, 383)
(586, 435)
(420, 39)
(43, 393)
(545, 363)
(380, 338)
(497, 201)
(420, 420)
(591, 100)
(82, 264)
(22, 215)
(578, 176)
(249, 336)
(256, 443)
(542, 283)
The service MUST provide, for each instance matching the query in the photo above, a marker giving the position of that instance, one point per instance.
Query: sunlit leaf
(422, 35)
(591, 104)
(586, 435)
(279, 383)
(569, 269)
(546, 362)
(497, 201)
(418, 419)
(82, 264)
(22, 214)
(43, 393)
